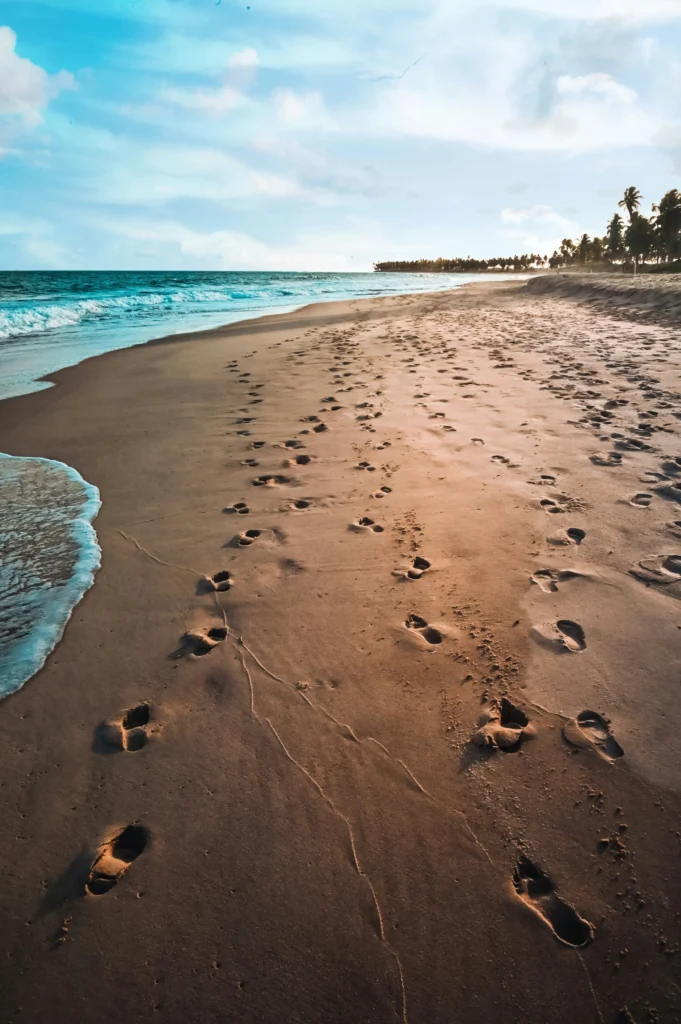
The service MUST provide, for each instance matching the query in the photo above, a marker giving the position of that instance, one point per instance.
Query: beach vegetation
(645, 243)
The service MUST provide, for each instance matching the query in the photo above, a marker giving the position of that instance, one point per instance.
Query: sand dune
(372, 714)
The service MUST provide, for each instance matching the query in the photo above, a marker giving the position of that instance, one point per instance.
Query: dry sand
(292, 824)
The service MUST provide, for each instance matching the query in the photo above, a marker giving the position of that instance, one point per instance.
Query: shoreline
(42, 506)
(400, 503)
(83, 317)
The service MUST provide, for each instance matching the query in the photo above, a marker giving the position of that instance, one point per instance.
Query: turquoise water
(49, 552)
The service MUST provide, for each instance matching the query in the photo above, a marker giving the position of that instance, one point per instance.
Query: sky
(326, 134)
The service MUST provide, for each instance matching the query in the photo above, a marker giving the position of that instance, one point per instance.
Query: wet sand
(372, 714)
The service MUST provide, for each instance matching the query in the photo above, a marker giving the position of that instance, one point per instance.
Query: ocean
(49, 553)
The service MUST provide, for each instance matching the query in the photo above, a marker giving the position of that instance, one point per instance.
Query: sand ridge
(397, 639)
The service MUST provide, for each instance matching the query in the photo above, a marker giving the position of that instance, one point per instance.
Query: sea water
(48, 320)
(48, 559)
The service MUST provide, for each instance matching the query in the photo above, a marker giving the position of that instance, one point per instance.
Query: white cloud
(544, 215)
(16, 224)
(25, 88)
(527, 228)
(33, 236)
(47, 253)
(245, 60)
(591, 10)
(217, 101)
(489, 92)
(301, 110)
(351, 248)
(274, 185)
(161, 174)
(597, 83)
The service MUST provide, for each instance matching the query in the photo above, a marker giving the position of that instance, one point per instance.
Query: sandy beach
(372, 714)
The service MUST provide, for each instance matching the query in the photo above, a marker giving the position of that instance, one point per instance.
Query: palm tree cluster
(464, 265)
(638, 240)
(626, 244)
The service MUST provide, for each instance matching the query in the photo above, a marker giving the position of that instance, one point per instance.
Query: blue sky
(324, 134)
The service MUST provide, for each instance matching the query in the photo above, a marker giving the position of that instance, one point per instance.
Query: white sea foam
(49, 555)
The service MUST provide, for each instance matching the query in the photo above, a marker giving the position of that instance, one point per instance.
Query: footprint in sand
(293, 444)
(630, 444)
(537, 891)
(114, 858)
(302, 504)
(127, 731)
(543, 480)
(238, 508)
(271, 480)
(650, 477)
(221, 582)
(610, 459)
(501, 460)
(366, 524)
(563, 636)
(199, 642)
(366, 465)
(671, 491)
(258, 444)
(503, 726)
(590, 731)
(571, 536)
(382, 492)
(551, 506)
(662, 570)
(415, 571)
(300, 460)
(420, 625)
(641, 500)
(671, 465)
(248, 537)
(549, 579)
(250, 462)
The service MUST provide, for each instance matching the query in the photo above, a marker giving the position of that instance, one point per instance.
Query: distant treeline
(626, 245)
(463, 266)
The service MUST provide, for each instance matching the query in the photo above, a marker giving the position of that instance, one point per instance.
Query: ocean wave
(49, 555)
(136, 296)
(21, 319)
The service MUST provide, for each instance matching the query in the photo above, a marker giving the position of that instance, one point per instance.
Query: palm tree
(597, 249)
(640, 238)
(631, 200)
(584, 249)
(668, 224)
(615, 238)
(568, 251)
